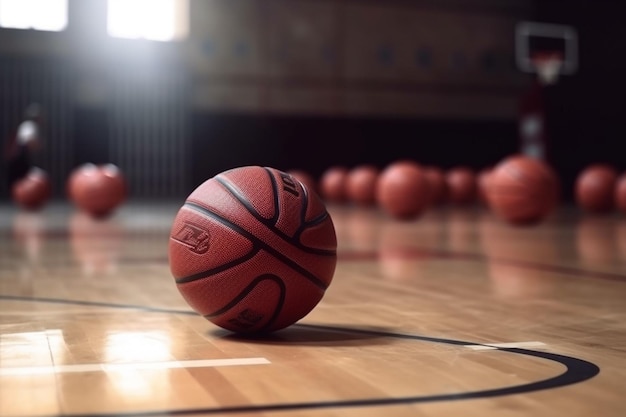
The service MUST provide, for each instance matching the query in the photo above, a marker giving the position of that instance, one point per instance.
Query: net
(548, 66)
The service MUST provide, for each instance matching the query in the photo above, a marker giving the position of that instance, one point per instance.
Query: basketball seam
(304, 225)
(257, 243)
(236, 192)
(275, 194)
(247, 290)
(271, 223)
(216, 270)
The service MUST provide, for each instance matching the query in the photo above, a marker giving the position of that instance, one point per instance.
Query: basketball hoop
(548, 66)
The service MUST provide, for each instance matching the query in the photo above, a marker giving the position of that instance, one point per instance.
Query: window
(158, 20)
(50, 15)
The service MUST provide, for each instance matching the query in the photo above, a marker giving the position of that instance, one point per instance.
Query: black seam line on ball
(234, 191)
(217, 270)
(305, 205)
(275, 194)
(257, 243)
(304, 225)
(247, 290)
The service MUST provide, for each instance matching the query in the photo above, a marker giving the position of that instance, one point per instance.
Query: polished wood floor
(454, 314)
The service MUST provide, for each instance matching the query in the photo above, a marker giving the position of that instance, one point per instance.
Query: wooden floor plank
(451, 314)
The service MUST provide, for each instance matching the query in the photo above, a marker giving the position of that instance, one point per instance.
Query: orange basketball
(33, 191)
(251, 252)
(361, 185)
(523, 190)
(98, 189)
(436, 184)
(620, 193)
(73, 178)
(402, 190)
(461, 186)
(333, 184)
(305, 178)
(595, 188)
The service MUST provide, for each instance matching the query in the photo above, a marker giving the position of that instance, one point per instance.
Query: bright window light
(157, 20)
(50, 15)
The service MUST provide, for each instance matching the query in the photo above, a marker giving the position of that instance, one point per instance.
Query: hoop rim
(547, 65)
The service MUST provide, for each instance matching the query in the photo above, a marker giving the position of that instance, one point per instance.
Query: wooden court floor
(454, 314)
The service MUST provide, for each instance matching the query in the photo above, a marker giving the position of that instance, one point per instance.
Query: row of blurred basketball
(94, 189)
(518, 189)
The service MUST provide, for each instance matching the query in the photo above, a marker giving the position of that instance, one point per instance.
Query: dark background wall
(309, 84)
(586, 111)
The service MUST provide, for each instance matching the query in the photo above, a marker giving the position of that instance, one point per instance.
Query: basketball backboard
(546, 49)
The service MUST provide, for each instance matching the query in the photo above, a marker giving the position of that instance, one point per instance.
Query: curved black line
(95, 304)
(216, 270)
(304, 226)
(275, 194)
(246, 291)
(257, 242)
(269, 223)
(577, 370)
(305, 193)
(236, 192)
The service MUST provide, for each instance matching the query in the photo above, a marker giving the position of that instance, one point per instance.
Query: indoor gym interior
(454, 311)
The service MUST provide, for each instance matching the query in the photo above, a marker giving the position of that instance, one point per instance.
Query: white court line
(491, 346)
(107, 367)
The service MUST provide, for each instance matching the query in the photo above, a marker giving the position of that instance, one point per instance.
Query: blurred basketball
(595, 188)
(523, 190)
(436, 184)
(73, 179)
(402, 190)
(361, 185)
(461, 186)
(98, 190)
(33, 191)
(250, 253)
(333, 184)
(305, 178)
(620, 193)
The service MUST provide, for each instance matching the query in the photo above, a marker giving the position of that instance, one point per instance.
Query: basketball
(523, 190)
(595, 188)
(361, 185)
(436, 184)
(251, 251)
(620, 193)
(74, 178)
(305, 178)
(333, 184)
(402, 190)
(33, 191)
(461, 186)
(98, 189)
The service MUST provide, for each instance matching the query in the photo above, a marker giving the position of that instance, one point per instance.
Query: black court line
(417, 253)
(576, 371)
